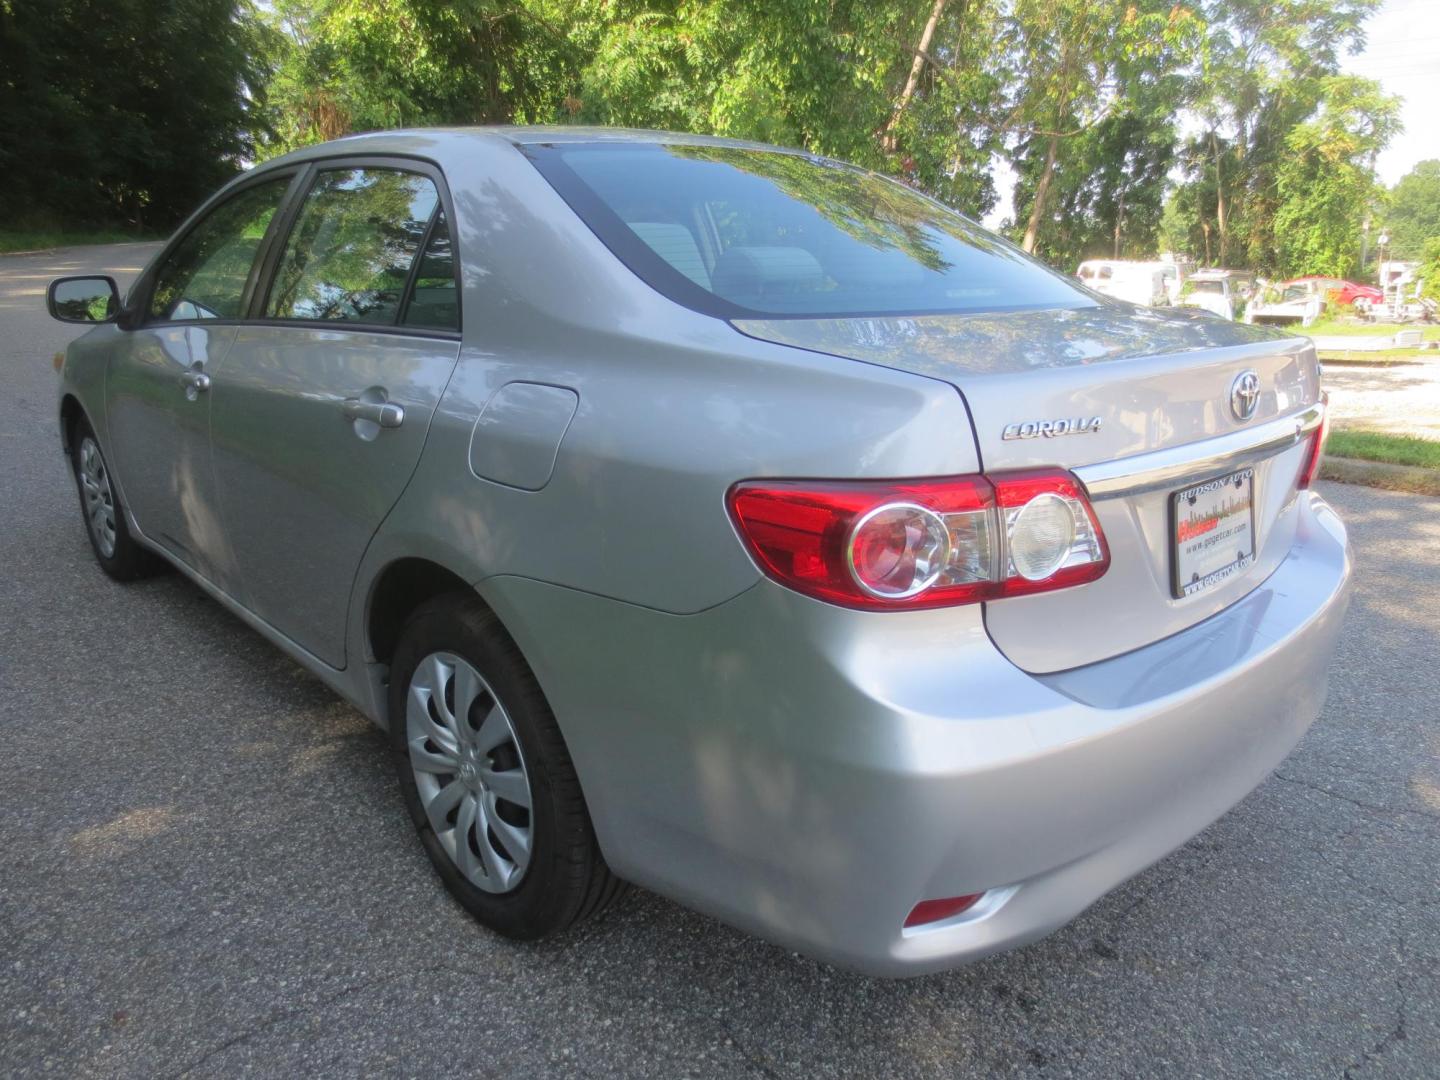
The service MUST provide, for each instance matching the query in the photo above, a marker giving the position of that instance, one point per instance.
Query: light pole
(1384, 241)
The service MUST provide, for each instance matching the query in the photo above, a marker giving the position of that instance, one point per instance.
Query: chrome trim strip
(1175, 465)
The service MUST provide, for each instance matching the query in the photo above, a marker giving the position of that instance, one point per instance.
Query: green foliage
(12, 240)
(342, 66)
(1093, 87)
(1414, 211)
(1430, 267)
(124, 111)
(1326, 182)
(129, 111)
(820, 76)
(1379, 446)
(1264, 68)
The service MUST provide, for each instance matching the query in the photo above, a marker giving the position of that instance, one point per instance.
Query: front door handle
(385, 413)
(195, 382)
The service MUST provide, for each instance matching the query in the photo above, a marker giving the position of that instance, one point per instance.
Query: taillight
(924, 543)
(1317, 446)
(930, 911)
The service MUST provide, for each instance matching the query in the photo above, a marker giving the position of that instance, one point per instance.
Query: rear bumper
(810, 773)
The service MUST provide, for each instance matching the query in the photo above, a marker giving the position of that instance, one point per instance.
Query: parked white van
(1138, 282)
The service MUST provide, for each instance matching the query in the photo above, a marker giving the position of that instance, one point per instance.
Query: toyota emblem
(1245, 395)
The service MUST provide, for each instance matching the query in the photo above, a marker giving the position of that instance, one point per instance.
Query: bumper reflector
(929, 911)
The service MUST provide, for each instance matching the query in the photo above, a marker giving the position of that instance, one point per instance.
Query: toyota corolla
(723, 519)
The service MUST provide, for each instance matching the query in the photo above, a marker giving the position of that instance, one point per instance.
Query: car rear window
(737, 232)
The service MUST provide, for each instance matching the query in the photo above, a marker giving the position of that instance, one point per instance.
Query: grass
(1334, 328)
(1391, 449)
(1375, 356)
(12, 240)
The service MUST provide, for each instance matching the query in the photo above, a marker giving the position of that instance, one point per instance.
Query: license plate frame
(1189, 557)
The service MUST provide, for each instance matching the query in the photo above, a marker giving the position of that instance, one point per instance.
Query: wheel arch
(400, 587)
(71, 413)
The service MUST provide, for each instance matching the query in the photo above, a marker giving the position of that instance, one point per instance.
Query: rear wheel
(487, 778)
(117, 552)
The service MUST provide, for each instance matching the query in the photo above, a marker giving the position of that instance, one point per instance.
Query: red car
(1339, 291)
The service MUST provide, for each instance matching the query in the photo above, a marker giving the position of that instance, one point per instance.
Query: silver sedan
(723, 519)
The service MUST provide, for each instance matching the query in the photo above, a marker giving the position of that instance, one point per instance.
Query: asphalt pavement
(205, 868)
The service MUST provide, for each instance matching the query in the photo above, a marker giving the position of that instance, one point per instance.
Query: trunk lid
(1085, 388)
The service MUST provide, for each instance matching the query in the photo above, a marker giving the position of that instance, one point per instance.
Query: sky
(1402, 52)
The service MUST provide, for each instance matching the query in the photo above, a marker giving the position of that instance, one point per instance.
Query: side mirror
(83, 299)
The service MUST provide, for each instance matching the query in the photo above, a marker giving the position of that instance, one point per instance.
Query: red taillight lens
(919, 544)
(1317, 446)
(899, 550)
(867, 544)
(930, 911)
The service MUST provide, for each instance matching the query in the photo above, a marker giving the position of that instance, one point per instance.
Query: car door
(157, 400)
(320, 413)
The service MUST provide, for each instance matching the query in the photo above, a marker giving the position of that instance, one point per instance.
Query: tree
(358, 65)
(124, 111)
(1414, 212)
(1430, 267)
(900, 87)
(1326, 181)
(1262, 70)
(1077, 64)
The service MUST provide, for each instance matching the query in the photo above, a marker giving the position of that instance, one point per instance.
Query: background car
(1338, 290)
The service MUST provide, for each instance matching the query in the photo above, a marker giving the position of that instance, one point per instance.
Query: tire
(455, 668)
(117, 552)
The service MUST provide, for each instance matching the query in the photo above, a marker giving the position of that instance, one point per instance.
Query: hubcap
(469, 771)
(99, 497)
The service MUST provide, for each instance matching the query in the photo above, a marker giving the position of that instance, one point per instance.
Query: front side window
(349, 254)
(205, 276)
(738, 232)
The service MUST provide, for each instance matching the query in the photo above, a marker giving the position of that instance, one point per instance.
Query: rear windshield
(737, 232)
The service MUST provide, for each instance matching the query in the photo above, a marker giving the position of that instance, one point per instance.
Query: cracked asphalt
(205, 869)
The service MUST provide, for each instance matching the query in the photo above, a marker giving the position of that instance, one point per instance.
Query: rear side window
(737, 232)
(349, 255)
(434, 301)
(205, 276)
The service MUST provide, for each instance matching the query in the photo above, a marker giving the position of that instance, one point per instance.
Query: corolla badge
(1034, 429)
(1245, 395)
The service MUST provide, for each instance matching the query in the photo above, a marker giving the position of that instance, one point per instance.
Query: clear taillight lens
(1052, 539)
(922, 543)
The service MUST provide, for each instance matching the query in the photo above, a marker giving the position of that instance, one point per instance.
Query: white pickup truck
(1298, 303)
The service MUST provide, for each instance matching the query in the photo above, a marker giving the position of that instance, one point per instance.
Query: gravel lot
(1402, 400)
(205, 870)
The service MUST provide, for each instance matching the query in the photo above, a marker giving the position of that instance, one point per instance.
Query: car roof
(427, 141)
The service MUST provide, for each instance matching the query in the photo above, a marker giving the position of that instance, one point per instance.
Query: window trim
(259, 280)
(270, 260)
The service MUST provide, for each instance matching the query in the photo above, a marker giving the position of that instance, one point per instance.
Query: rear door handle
(385, 413)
